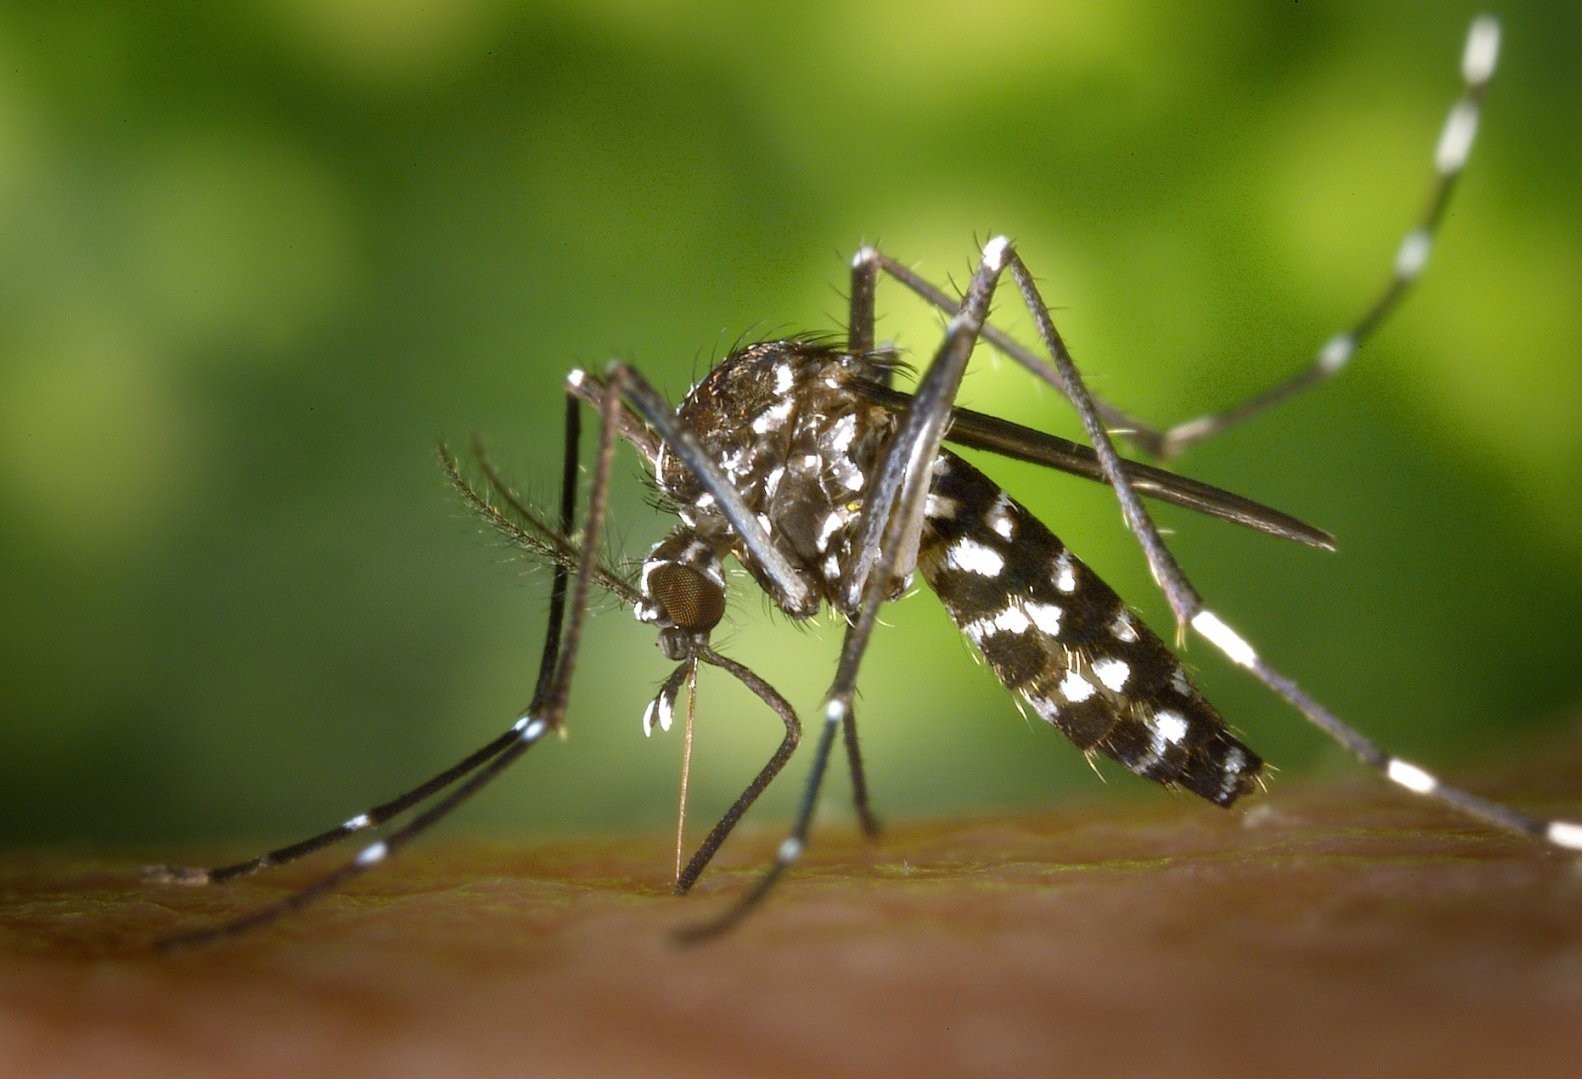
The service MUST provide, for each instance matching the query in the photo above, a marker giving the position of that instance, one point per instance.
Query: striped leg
(1450, 157)
(544, 714)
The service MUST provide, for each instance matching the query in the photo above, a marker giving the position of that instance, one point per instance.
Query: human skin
(1335, 929)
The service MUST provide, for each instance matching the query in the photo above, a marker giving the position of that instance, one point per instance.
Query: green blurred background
(256, 258)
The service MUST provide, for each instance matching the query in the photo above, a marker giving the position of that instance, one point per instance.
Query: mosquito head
(683, 587)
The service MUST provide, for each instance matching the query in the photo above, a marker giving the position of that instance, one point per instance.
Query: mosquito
(798, 459)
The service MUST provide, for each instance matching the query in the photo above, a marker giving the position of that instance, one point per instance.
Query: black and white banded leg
(1454, 147)
(466, 777)
(1451, 153)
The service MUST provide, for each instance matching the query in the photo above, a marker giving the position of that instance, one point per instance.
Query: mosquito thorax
(784, 424)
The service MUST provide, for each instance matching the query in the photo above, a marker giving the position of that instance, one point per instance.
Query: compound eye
(692, 601)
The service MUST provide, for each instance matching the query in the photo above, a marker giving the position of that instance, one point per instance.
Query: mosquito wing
(984, 432)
